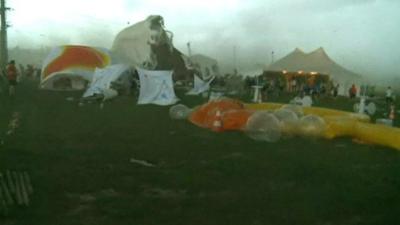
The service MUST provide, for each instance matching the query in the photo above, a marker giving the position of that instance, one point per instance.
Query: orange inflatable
(221, 115)
(230, 114)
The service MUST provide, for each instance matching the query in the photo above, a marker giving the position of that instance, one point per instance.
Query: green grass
(78, 159)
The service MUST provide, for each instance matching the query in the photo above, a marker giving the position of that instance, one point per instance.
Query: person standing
(335, 90)
(389, 94)
(294, 84)
(353, 91)
(12, 74)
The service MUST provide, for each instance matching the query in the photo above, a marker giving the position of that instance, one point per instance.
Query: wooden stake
(11, 184)
(28, 183)
(18, 194)
(25, 197)
(3, 204)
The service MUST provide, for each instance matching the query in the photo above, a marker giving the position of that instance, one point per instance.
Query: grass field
(79, 162)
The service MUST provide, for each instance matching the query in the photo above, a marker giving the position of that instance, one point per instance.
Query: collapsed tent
(200, 86)
(148, 45)
(107, 81)
(205, 66)
(71, 67)
(156, 87)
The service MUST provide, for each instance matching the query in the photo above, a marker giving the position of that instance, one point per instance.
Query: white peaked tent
(156, 87)
(315, 61)
(103, 78)
(200, 86)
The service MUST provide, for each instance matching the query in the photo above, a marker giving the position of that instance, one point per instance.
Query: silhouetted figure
(335, 90)
(389, 95)
(353, 91)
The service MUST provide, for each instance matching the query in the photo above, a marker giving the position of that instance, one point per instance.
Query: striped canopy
(71, 67)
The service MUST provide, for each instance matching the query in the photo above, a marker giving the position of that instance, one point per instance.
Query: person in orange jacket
(12, 73)
(353, 91)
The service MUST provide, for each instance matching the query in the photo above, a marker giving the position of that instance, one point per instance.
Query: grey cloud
(359, 34)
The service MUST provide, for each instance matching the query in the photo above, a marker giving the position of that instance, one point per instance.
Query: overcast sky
(362, 35)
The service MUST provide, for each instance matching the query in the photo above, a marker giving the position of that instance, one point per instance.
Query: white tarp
(200, 86)
(156, 87)
(133, 45)
(102, 79)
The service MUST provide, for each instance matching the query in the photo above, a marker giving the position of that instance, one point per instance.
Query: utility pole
(272, 57)
(234, 60)
(190, 55)
(3, 35)
(189, 50)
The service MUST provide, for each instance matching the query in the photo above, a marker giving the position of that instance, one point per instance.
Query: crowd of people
(313, 86)
(11, 76)
(272, 88)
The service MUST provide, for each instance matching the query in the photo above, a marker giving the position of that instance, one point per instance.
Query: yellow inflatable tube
(323, 112)
(339, 126)
(378, 134)
(346, 124)
(263, 106)
(368, 133)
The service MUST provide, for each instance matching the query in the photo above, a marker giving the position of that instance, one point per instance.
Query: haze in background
(361, 35)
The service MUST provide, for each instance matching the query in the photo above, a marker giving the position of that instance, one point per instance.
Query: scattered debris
(141, 162)
(341, 145)
(87, 198)
(233, 155)
(163, 193)
(14, 123)
(86, 201)
(70, 99)
(90, 197)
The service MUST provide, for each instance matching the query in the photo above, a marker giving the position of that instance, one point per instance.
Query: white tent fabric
(156, 87)
(133, 45)
(102, 79)
(215, 95)
(200, 86)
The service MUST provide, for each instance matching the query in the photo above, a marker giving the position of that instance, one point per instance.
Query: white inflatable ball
(289, 121)
(263, 126)
(286, 116)
(179, 112)
(294, 108)
(312, 126)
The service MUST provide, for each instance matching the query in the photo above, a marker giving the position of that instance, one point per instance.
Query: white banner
(156, 87)
(102, 79)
